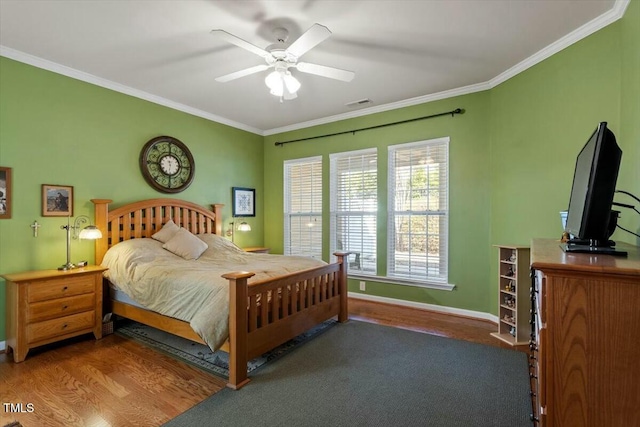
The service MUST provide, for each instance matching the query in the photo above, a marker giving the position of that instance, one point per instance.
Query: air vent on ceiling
(359, 103)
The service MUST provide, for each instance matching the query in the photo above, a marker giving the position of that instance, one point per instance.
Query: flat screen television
(590, 219)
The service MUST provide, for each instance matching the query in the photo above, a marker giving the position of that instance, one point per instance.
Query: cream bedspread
(192, 291)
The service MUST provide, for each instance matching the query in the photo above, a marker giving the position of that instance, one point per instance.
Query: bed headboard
(146, 217)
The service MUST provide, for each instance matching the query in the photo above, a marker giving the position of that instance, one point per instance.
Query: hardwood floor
(118, 382)
(431, 322)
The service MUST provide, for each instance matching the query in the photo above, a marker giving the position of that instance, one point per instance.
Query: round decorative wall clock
(167, 164)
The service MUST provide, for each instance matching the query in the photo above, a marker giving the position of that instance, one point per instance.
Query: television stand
(589, 249)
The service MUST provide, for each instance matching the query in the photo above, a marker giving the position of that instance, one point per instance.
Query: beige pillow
(166, 232)
(185, 245)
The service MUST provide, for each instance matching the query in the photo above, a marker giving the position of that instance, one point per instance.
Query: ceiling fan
(282, 56)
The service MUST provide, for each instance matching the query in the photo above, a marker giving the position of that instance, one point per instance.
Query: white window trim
(332, 185)
(391, 209)
(286, 196)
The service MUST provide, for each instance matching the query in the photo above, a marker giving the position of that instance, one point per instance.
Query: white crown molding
(108, 84)
(609, 17)
(424, 306)
(612, 15)
(385, 107)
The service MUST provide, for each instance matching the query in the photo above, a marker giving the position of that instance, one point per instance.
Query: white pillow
(166, 232)
(185, 245)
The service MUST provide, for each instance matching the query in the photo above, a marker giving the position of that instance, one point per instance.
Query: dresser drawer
(50, 309)
(64, 325)
(43, 290)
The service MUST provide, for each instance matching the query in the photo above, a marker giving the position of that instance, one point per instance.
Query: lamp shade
(90, 232)
(291, 82)
(243, 226)
(278, 80)
(275, 83)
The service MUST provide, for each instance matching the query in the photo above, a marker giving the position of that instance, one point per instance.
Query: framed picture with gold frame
(5, 193)
(57, 200)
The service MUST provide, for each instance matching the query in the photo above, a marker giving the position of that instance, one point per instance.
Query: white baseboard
(424, 306)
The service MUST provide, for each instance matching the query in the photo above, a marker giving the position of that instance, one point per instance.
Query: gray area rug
(201, 355)
(362, 374)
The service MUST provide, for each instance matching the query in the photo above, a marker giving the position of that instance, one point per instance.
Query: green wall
(58, 130)
(630, 112)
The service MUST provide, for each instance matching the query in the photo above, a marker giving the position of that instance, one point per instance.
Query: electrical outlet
(363, 286)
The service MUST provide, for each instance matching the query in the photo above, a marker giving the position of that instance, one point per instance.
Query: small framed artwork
(57, 200)
(5, 193)
(244, 201)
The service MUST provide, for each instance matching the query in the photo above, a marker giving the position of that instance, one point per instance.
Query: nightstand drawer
(64, 325)
(43, 290)
(60, 307)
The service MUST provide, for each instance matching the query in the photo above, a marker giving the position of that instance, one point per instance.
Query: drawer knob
(65, 288)
(64, 326)
(64, 307)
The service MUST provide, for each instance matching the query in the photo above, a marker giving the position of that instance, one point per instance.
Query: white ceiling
(402, 52)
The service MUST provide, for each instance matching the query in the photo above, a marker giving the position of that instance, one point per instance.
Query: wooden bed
(302, 299)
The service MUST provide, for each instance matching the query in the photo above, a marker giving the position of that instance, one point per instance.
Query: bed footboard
(265, 314)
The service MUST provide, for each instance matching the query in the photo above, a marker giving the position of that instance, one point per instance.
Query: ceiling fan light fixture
(275, 82)
(290, 82)
(278, 80)
(281, 56)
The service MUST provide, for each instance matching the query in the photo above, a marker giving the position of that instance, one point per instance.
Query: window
(303, 207)
(418, 211)
(354, 205)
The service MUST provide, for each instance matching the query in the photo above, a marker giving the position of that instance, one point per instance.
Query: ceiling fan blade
(241, 43)
(241, 73)
(330, 72)
(312, 37)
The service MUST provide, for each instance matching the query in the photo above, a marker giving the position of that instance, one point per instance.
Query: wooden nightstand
(257, 250)
(51, 305)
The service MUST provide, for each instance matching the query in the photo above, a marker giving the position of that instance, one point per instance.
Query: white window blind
(303, 207)
(418, 211)
(354, 205)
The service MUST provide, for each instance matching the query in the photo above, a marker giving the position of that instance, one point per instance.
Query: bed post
(343, 315)
(217, 211)
(101, 218)
(238, 328)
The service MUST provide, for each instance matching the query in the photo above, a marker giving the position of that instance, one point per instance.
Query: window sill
(396, 281)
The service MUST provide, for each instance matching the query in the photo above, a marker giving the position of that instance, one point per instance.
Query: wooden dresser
(50, 305)
(585, 347)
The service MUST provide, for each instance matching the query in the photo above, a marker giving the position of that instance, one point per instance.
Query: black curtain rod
(452, 112)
